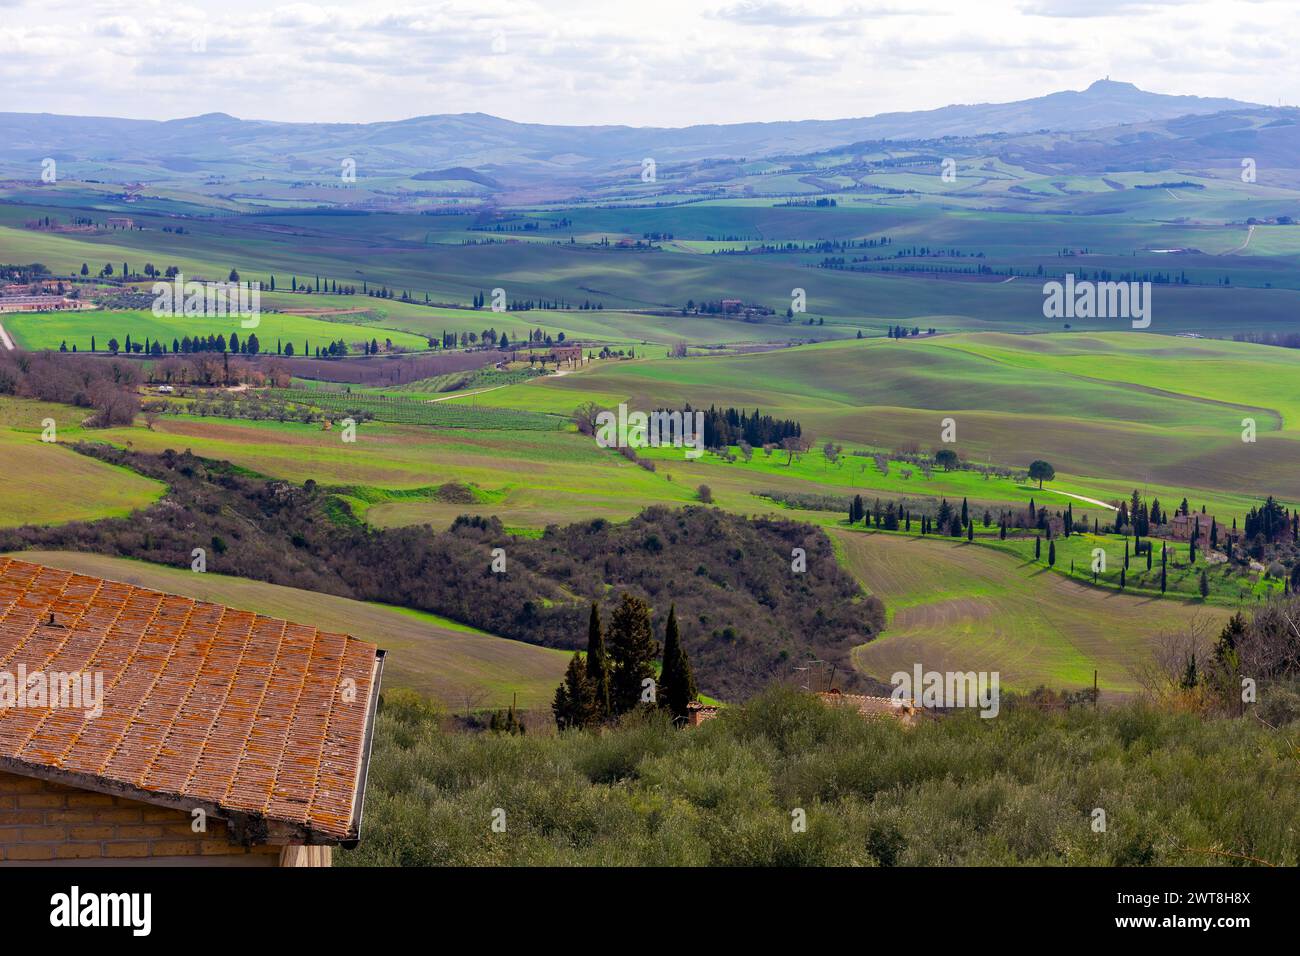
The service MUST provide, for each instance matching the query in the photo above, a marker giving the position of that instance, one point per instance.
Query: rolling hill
(143, 149)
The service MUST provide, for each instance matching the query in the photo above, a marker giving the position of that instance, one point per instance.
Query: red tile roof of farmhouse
(259, 721)
(869, 706)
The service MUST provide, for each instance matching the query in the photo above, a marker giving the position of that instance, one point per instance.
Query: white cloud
(667, 63)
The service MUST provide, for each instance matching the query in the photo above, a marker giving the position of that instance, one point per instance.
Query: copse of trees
(617, 675)
(108, 386)
(745, 617)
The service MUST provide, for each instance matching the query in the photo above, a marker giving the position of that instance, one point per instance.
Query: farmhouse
(119, 222)
(561, 354)
(697, 713)
(35, 303)
(567, 353)
(153, 729)
(1181, 527)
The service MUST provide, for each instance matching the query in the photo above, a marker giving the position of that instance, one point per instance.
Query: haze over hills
(218, 143)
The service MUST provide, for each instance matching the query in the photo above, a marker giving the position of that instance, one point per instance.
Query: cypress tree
(1051, 554)
(632, 650)
(1038, 547)
(675, 678)
(598, 663)
(574, 705)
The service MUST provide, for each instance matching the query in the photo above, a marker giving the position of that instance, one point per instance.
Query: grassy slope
(44, 483)
(1111, 412)
(428, 653)
(959, 607)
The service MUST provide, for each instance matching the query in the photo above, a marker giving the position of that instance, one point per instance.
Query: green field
(399, 409)
(1111, 412)
(405, 252)
(44, 483)
(960, 607)
(50, 330)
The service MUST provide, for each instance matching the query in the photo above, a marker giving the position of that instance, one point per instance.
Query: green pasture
(961, 607)
(45, 483)
(49, 330)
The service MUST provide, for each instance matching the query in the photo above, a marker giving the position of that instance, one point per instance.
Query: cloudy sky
(638, 62)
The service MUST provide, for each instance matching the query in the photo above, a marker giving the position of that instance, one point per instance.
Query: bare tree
(1177, 661)
(473, 698)
(584, 416)
(794, 445)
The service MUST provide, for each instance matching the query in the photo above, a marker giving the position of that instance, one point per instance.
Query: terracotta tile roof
(870, 706)
(258, 720)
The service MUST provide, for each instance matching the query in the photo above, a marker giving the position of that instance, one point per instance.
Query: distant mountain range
(220, 144)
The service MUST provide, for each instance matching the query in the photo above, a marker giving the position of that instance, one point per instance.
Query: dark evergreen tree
(574, 705)
(632, 651)
(598, 662)
(676, 681)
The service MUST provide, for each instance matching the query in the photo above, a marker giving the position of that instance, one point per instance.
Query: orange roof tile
(869, 706)
(257, 720)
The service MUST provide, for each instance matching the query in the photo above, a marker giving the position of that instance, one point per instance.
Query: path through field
(5, 340)
(1091, 501)
(955, 606)
(1250, 231)
(451, 395)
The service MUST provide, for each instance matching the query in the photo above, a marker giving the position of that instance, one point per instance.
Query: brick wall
(42, 821)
